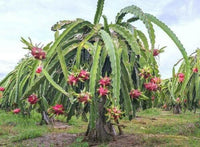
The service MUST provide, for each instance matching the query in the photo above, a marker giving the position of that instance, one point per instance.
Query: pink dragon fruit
(195, 70)
(16, 111)
(151, 86)
(114, 113)
(72, 80)
(103, 91)
(39, 69)
(58, 109)
(2, 89)
(156, 52)
(156, 80)
(84, 97)
(145, 73)
(181, 77)
(38, 53)
(33, 99)
(83, 75)
(135, 93)
(105, 81)
(178, 99)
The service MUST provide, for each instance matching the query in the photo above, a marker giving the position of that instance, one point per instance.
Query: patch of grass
(16, 127)
(164, 128)
(150, 112)
(156, 127)
(78, 143)
(152, 140)
(78, 126)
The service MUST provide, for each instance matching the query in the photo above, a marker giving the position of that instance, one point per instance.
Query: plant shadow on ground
(152, 127)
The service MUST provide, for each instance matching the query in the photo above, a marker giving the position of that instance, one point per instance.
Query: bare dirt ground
(65, 139)
(127, 140)
(53, 139)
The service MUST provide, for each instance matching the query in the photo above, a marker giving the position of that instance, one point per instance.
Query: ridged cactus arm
(106, 26)
(89, 36)
(99, 11)
(128, 36)
(115, 64)
(143, 38)
(70, 30)
(92, 86)
(54, 84)
(138, 13)
(62, 62)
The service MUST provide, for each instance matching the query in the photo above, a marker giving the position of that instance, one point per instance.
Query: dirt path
(53, 139)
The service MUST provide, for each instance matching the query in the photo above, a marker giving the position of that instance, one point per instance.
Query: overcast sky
(34, 18)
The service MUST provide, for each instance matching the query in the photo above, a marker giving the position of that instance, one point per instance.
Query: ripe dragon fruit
(2, 88)
(156, 80)
(103, 91)
(32, 99)
(156, 52)
(83, 75)
(114, 113)
(105, 81)
(16, 111)
(39, 69)
(145, 73)
(58, 109)
(178, 100)
(38, 53)
(84, 97)
(72, 80)
(164, 106)
(181, 77)
(135, 93)
(151, 86)
(153, 98)
(195, 70)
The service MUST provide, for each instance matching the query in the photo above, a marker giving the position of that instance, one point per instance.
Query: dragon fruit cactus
(38, 53)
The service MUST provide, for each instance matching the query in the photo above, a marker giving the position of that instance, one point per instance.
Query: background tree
(174, 94)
